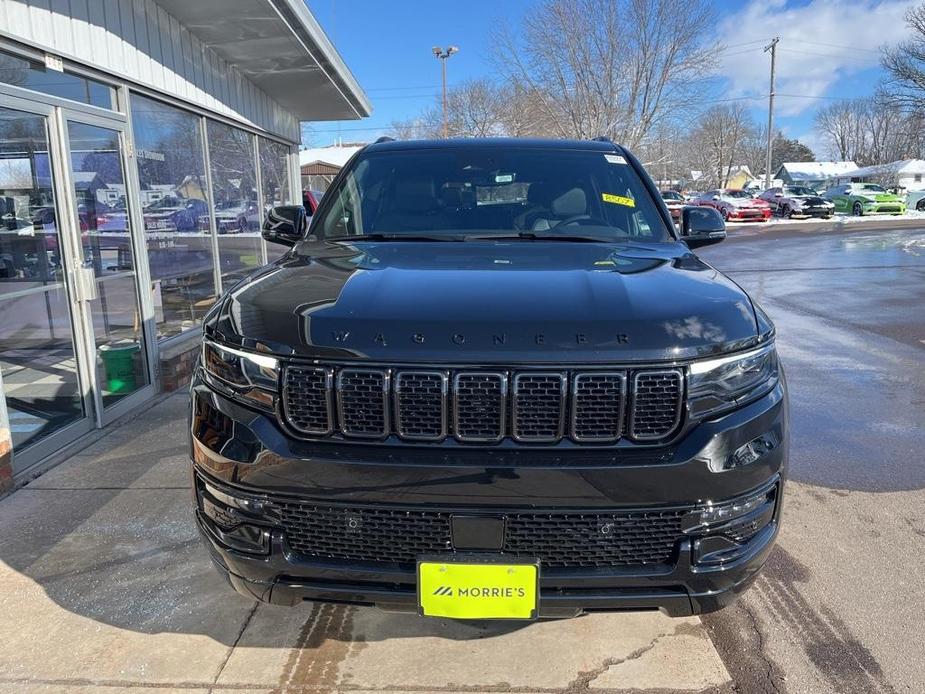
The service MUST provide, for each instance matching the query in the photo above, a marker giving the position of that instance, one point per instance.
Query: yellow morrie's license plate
(471, 590)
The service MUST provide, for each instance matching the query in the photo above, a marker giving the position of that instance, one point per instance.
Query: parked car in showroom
(865, 198)
(457, 399)
(735, 204)
(797, 201)
(675, 202)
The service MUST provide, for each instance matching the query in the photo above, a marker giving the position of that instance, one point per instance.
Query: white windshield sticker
(615, 159)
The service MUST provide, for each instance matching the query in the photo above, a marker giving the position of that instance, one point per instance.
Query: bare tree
(608, 67)
(842, 126)
(905, 65)
(718, 142)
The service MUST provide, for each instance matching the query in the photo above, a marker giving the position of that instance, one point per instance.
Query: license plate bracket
(478, 587)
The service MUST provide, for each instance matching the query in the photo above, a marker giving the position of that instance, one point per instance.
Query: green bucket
(119, 365)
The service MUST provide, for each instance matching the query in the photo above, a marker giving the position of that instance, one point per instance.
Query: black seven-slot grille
(483, 406)
(629, 538)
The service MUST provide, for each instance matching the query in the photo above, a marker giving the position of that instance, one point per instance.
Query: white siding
(140, 42)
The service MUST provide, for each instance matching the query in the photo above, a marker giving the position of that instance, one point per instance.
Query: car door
(842, 198)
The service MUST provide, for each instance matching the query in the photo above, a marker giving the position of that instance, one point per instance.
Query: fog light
(727, 528)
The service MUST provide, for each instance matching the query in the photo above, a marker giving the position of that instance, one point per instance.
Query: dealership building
(141, 142)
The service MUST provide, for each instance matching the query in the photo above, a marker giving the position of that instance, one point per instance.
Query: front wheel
(920, 205)
(858, 210)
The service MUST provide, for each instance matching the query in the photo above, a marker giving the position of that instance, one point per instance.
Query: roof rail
(602, 138)
(384, 138)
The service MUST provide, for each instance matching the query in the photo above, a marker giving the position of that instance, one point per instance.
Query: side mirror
(285, 225)
(702, 226)
(715, 197)
(778, 195)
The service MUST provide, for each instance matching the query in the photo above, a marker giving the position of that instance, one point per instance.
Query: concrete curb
(836, 225)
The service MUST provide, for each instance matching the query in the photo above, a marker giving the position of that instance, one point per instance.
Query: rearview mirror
(702, 226)
(285, 225)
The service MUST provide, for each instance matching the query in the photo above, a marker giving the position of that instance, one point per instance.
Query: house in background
(907, 174)
(815, 174)
(319, 165)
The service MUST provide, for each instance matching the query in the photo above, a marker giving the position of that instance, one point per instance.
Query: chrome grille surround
(528, 405)
(651, 417)
(363, 402)
(479, 406)
(589, 419)
(317, 411)
(426, 392)
(538, 415)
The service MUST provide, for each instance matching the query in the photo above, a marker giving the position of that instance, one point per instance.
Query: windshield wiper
(394, 237)
(531, 236)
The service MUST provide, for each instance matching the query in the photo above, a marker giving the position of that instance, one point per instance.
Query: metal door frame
(103, 415)
(36, 452)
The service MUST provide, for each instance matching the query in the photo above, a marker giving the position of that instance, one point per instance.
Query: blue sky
(828, 50)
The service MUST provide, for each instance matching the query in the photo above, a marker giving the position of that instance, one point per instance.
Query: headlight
(720, 385)
(247, 376)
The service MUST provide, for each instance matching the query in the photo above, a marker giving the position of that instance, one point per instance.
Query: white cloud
(852, 31)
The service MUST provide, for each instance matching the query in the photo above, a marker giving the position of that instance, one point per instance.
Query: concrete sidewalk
(105, 587)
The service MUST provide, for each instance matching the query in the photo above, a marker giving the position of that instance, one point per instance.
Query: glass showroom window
(234, 194)
(171, 170)
(30, 74)
(274, 179)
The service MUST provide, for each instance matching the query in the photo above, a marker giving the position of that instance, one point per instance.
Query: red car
(311, 199)
(675, 202)
(735, 205)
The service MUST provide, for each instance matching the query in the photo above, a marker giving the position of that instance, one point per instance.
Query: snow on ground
(839, 218)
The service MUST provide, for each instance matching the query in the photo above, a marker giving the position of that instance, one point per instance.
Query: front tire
(858, 210)
(920, 205)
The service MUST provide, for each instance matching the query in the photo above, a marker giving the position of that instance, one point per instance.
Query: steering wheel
(574, 219)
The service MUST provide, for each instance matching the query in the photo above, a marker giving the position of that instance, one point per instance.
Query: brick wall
(176, 364)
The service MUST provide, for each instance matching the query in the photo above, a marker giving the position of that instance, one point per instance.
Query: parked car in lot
(797, 201)
(865, 198)
(310, 200)
(915, 200)
(461, 400)
(675, 202)
(735, 204)
(172, 213)
(233, 217)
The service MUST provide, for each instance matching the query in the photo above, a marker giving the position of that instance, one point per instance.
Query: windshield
(872, 187)
(798, 190)
(474, 191)
(671, 195)
(736, 194)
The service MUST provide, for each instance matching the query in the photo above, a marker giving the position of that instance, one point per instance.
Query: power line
(826, 55)
(838, 45)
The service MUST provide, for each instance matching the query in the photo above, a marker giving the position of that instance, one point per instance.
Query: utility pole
(443, 55)
(767, 172)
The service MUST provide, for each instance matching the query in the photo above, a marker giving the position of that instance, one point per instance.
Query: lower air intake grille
(656, 404)
(631, 538)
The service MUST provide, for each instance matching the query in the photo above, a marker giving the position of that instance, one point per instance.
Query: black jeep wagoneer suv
(489, 379)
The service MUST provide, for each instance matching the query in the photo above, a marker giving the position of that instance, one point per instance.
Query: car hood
(879, 197)
(487, 302)
(809, 200)
(745, 202)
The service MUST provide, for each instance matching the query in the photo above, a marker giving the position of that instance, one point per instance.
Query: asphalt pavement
(106, 588)
(841, 604)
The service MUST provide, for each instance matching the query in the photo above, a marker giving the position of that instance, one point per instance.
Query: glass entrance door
(44, 382)
(108, 281)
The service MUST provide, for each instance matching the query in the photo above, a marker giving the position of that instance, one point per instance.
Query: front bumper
(750, 215)
(884, 208)
(243, 454)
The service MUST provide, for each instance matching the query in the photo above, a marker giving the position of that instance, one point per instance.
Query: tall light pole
(443, 55)
(767, 172)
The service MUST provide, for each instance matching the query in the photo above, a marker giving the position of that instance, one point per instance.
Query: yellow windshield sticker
(618, 200)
